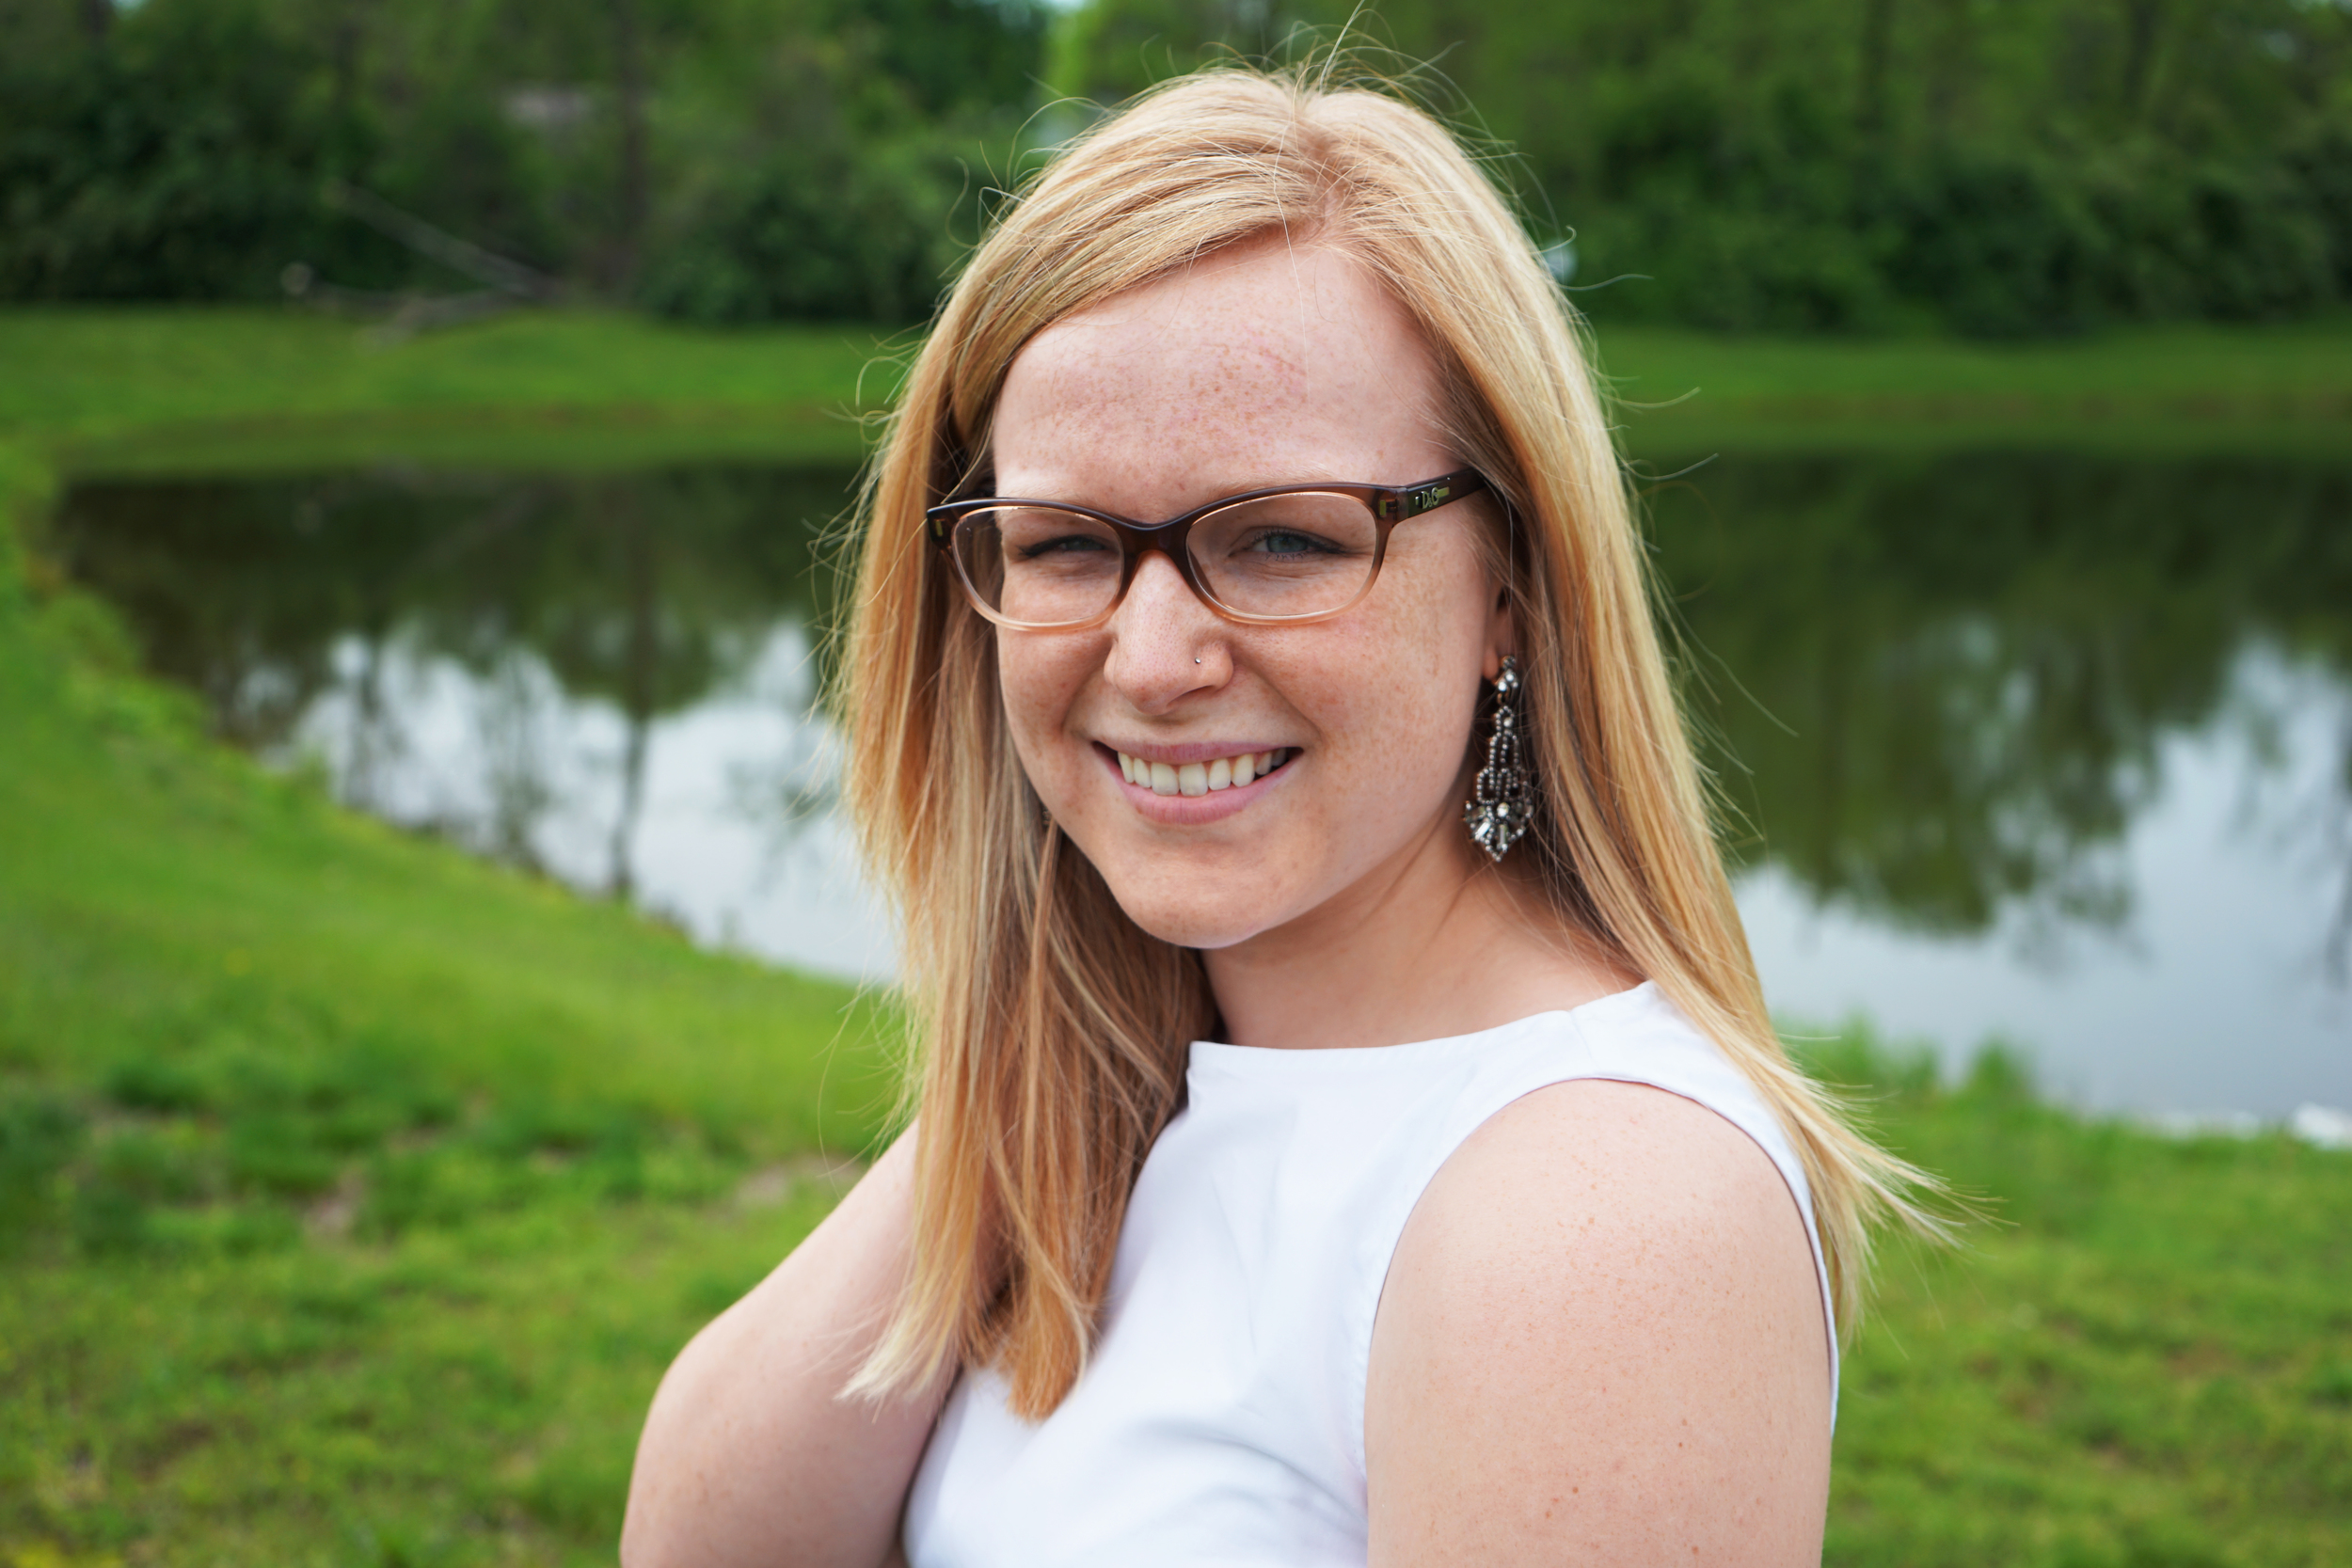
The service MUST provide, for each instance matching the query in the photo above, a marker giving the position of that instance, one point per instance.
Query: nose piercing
(1196, 661)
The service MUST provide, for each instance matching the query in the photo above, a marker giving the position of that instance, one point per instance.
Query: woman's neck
(1433, 943)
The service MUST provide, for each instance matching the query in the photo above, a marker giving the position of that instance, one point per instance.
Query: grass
(466, 1394)
(2191, 388)
(2143, 1361)
(185, 390)
(238, 389)
(354, 1194)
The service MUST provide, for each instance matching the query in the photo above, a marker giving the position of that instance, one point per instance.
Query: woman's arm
(749, 1455)
(1601, 1340)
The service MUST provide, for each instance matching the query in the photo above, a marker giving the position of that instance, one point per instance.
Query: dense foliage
(1999, 167)
(716, 159)
(1987, 166)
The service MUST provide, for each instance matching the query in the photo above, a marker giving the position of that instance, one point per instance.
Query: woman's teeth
(1195, 778)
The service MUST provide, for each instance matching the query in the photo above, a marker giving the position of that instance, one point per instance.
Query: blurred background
(1818, 166)
(434, 974)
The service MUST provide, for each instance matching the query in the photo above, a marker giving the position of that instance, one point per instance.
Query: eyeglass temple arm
(1398, 506)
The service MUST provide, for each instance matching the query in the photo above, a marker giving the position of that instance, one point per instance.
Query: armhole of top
(1448, 1140)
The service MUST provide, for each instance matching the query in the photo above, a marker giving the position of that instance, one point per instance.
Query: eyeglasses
(1290, 554)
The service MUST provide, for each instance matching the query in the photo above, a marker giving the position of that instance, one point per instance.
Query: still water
(2055, 750)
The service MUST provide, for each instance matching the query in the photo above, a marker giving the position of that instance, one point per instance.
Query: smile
(1197, 778)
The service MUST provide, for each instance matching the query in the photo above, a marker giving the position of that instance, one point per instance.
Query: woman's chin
(1206, 918)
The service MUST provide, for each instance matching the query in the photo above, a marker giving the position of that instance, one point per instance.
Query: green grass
(2282, 388)
(232, 390)
(354, 1194)
(2143, 1359)
(163, 904)
(221, 389)
(466, 1394)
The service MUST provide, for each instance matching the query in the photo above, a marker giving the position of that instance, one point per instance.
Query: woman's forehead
(1276, 360)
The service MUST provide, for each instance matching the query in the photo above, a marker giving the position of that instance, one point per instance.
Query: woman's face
(1257, 367)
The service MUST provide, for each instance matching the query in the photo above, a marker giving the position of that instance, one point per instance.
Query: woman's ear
(1501, 631)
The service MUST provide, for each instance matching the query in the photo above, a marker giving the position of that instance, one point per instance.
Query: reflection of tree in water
(513, 756)
(240, 590)
(1961, 666)
(2336, 835)
(2338, 950)
(790, 792)
(645, 591)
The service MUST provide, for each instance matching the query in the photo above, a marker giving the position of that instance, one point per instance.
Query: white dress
(1221, 1419)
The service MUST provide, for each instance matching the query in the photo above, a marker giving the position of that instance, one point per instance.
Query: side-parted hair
(1053, 1031)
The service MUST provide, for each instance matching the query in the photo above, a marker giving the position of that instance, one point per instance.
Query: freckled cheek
(1385, 698)
(1041, 681)
(1373, 705)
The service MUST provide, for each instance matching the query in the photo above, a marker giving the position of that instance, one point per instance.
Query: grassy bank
(228, 389)
(157, 391)
(2143, 1358)
(353, 1193)
(2285, 390)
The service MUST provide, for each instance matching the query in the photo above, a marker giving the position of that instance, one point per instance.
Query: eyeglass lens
(1299, 554)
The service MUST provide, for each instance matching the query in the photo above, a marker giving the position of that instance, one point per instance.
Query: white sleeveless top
(1220, 1420)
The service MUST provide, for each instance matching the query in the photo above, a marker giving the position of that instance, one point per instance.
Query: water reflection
(1958, 671)
(2034, 744)
(608, 678)
(2055, 746)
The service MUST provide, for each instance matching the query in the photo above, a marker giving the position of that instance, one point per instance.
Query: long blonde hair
(1053, 1030)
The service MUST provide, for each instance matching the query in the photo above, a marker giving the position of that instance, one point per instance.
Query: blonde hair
(1054, 1029)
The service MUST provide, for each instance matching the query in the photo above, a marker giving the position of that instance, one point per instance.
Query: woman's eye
(1068, 544)
(1283, 543)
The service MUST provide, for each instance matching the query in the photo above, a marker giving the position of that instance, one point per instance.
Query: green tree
(1941, 684)
(1867, 163)
(180, 157)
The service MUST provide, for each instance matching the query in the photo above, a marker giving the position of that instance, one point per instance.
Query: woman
(1350, 1127)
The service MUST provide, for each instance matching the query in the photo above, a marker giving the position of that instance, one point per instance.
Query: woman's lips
(1201, 778)
(1177, 807)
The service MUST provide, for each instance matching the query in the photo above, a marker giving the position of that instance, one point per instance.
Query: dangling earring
(1500, 806)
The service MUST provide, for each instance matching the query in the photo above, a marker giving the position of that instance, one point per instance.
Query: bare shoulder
(1601, 1332)
(1612, 1161)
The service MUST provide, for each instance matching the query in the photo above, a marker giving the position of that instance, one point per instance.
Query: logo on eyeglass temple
(1427, 499)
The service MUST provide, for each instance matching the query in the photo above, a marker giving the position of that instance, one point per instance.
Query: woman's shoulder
(1611, 1153)
(1617, 1117)
(1606, 1280)
(1633, 1036)
(1615, 1140)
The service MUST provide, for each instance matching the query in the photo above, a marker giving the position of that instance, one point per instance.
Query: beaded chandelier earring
(1499, 804)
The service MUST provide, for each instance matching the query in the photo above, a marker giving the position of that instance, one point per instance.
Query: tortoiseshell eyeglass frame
(1388, 505)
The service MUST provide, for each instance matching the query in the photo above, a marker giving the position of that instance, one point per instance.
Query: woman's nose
(1165, 642)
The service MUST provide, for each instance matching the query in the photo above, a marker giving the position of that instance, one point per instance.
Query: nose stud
(1196, 661)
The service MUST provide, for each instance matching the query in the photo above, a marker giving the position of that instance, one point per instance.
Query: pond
(2053, 750)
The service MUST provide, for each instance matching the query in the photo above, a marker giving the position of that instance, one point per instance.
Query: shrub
(184, 160)
(815, 232)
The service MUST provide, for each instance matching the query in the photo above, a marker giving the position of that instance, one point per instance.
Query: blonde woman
(1349, 1129)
